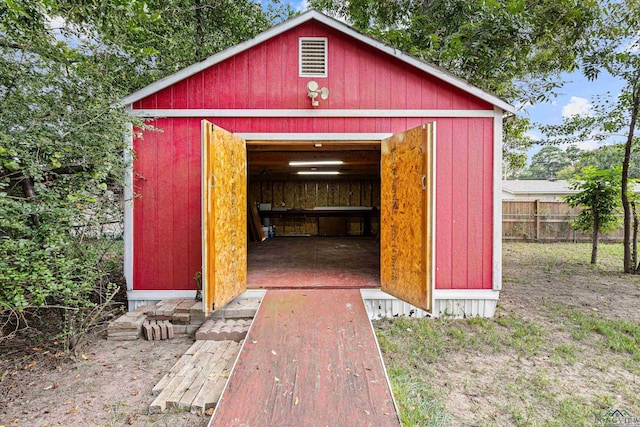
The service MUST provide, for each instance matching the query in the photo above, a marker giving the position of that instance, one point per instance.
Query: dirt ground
(108, 384)
(529, 366)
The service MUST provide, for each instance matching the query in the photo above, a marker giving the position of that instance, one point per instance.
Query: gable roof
(309, 15)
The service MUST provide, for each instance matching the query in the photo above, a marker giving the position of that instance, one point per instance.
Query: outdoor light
(313, 92)
(317, 163)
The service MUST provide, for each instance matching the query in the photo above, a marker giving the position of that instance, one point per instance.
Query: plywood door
(224, 216)
(407, 215)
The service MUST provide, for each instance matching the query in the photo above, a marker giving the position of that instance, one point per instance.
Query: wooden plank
(445, 208)
(159, 404)
(405, 233)
(211, 389)
(208, 363)
(318, 365)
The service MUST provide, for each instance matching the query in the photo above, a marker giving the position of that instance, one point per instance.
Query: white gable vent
(313, 57)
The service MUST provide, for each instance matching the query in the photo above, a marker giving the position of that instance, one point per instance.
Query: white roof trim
(336, 25)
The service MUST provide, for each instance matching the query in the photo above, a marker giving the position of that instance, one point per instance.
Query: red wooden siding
(167, 252)
(167, 218)
(359, 77)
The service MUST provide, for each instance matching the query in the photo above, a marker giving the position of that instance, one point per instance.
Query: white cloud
(577, 107)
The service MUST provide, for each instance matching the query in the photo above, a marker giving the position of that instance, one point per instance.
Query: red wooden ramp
(310, 359)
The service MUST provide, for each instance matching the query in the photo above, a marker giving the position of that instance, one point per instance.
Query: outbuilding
(337, 138)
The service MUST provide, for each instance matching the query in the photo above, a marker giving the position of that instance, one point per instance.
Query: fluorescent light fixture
(318, 173)
(317, 163)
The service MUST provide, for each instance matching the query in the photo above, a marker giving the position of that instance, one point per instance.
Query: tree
(599, 199)
(63, 67)
(546, 163)
(614, 48)
(515, 49)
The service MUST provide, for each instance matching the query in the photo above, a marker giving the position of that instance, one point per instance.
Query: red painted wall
(167, 170)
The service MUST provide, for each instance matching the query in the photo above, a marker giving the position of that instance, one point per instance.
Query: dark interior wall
(307, 194)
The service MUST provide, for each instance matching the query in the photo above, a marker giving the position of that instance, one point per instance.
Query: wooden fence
(544, 221)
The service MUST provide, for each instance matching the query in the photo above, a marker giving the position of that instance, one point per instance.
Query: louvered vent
(313, 57)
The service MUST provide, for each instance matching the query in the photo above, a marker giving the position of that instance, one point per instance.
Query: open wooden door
(224, 216)
(407, 215)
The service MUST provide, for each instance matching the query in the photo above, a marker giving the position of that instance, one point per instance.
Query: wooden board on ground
(310, 358)
(188, 385)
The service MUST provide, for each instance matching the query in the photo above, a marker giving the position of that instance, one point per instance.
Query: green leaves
(599, 194)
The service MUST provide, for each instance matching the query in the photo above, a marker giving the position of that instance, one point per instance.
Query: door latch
(424, 182)
(213, 185)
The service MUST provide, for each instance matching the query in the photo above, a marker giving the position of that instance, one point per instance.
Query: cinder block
(221, 330)
(156, 334)
(169, 330)
(182, 318)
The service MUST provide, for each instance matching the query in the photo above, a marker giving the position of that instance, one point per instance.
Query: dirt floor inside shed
(550, 357)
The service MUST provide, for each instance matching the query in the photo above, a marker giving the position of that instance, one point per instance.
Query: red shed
(405, 166)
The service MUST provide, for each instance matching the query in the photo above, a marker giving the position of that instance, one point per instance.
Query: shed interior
(324, 217)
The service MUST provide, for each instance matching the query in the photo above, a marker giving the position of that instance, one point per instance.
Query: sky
(573, 98)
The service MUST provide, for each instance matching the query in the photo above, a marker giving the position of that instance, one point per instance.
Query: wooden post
(536, 213)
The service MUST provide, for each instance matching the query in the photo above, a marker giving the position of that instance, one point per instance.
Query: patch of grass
(418, 404)
(619, 336)
(564, 353)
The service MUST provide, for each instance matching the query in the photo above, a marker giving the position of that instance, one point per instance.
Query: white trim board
(313, 136)
(438, 294)
(128, 208)
(308, 113)
(497, 201)
(334, 24)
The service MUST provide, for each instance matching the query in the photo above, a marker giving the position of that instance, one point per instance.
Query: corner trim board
(128, 208)
(497, 201)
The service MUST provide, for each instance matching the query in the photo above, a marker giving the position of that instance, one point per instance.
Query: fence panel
(545, 221)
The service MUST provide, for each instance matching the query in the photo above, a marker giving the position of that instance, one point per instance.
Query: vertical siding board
(275, 64)
(195, 204)
(164, 98)
(352, 76)
(243, 85)
(150, 102)
(196, 91)
(475, 231)
(336, 82)
(487, 208)
(180, 94)
(413, 98)
(148, 194)
(383, 91)
(226, 85)
(210, 87)
(180, 200)
(430, 92)
(256, 89)
(139, 185)
(444, 203)
(290, 69)
(367, 76)
(164, 206)
(460, 180)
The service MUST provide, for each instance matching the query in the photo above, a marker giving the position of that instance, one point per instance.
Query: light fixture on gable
(313, 92)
